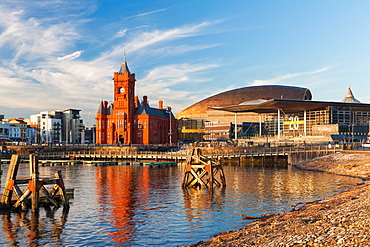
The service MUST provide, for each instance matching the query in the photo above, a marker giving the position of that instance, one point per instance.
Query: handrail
(182, 153)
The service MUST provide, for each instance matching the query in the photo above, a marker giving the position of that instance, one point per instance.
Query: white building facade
(14, 132)
(4, 131)
(57, 126)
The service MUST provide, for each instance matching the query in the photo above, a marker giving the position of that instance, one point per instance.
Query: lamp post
(207, 131)
(170, 131)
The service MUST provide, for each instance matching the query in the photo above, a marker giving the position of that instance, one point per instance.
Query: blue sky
(61, 54)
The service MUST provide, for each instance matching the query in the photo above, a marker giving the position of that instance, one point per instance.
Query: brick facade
(128, 121)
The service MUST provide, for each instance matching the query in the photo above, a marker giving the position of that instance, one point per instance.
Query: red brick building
(128, 121)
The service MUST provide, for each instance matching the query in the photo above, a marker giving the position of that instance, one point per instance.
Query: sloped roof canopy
(288, 106)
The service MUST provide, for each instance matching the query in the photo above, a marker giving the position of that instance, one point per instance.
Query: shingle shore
(340, 220)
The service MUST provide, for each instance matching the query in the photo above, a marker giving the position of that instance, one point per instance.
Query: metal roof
(147, 110)
(287, 105)
(124, 68)
(349, 98)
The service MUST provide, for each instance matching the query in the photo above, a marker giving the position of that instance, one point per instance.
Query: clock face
(121, 90)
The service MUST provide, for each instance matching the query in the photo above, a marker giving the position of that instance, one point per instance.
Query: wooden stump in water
(10, 183)
(202, 171)
(36, 184)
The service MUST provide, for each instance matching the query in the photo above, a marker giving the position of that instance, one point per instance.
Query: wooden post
(62, 192)
(201, 171)
(34, 183)
(1, 154)
(209, 170)
(10, 181)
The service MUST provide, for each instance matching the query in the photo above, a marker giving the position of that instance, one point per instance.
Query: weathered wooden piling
(10, 182)
(202, 171)
(35, 186)
(1, 154)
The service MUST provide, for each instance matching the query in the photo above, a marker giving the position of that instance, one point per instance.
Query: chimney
(136, 101)
(145, 100)
(160, 104)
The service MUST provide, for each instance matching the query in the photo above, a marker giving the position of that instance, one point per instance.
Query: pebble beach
(340, 220)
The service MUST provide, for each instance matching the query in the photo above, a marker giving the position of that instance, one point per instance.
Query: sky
(62, 54)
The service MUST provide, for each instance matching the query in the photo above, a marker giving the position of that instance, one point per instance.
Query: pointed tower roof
(110, 110)
(349, 97)
(124, 67)
(101, 108)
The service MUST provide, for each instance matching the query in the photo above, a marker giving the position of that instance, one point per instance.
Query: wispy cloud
(149, 13)
(140, 43)
(149, 38)
(72, 56)
(176, 50)
(41, 71)
(123, 32)
(285, 78)
(33, 75)
(174, 82)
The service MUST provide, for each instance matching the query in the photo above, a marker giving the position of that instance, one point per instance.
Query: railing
(182, 154)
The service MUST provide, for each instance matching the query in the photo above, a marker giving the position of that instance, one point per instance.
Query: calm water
(142, 206)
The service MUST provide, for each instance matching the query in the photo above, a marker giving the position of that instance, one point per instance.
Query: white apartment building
(31, 135)
(57, 126)
(4, 131)
(14, 132)
(48, 127)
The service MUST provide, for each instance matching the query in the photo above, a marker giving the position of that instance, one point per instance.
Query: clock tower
(124, 106)
(128, 121)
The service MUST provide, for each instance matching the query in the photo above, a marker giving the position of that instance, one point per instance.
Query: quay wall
(297, 157)
(254, 155)
(280, 161)
(26, 150)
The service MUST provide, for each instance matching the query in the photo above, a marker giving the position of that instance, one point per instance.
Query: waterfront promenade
(292, 154)
(340, 220)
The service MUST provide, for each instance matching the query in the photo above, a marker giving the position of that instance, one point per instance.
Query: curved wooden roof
(237, 96)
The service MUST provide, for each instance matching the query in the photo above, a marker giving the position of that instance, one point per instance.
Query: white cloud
(175, 50)
(36, 74)
(174, 83)
(149, 13)
(149, 38)
(141, 41)
(285, 78)
(33, 75)
(121, 33)
(174, 74)
(32, 39)
(72, 56)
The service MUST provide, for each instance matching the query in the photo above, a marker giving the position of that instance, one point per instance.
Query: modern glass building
(345, 120)
(280, 111)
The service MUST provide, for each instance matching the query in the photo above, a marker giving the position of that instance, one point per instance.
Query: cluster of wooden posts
(36, 191)
(202, 171)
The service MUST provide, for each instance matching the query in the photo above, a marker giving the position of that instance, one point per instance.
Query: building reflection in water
(17, 226)
(123, 187)
(197, 201)
(276, 185)
(138, 205)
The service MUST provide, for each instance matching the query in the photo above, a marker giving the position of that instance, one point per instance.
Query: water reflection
(198, 201)
(114, 186)
(136, 205)
(30, 226)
